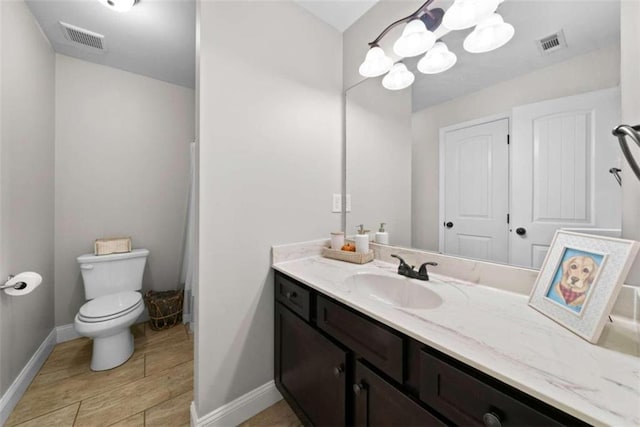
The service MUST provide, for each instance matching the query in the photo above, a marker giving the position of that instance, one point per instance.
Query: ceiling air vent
(552, 43)
(83, 37)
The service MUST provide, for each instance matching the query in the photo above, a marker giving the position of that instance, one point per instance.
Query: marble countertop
(496, 332)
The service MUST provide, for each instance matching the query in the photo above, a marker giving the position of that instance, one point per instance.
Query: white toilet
(111, 284)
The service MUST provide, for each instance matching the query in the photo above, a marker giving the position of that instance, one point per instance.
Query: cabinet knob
(491, 420)
(290, 295)
(338, 370)
(358, 388)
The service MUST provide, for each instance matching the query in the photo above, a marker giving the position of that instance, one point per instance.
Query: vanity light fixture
(491, 32)
(119, 5)
(438, 59)
(398, 78)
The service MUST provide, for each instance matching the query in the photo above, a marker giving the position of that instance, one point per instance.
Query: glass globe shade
(465, 14)
(437, 60)
(398, 78)
(491, 33)
(416, 39)
(376, 63)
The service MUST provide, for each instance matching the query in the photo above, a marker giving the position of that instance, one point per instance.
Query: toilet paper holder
(21, 284)
(17, 286)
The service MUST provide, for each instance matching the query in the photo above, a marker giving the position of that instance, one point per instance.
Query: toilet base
(111, 351)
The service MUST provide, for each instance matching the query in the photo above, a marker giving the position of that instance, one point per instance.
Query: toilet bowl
(112, 285)
(108, 319)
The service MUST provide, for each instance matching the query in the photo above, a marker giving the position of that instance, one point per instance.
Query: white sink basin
(397, 291)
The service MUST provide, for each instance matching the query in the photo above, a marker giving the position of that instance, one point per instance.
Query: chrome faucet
(407, 270)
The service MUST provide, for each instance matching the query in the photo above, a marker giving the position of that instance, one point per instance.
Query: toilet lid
(110, 305)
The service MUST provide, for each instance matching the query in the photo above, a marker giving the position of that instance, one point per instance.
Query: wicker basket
(165, 308)
(114, 245)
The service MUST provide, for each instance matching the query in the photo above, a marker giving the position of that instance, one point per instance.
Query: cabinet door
(378, 403)
(311, 369)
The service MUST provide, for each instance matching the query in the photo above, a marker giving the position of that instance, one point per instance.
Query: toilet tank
(108, 274)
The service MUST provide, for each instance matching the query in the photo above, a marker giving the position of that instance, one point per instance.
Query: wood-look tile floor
(153, 388)
(278, 415)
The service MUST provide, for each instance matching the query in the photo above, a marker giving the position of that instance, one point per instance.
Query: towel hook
(616, 174)
(622, 132)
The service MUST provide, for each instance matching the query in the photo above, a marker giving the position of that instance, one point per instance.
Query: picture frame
(580, 279)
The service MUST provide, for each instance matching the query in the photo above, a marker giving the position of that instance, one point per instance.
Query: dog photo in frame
(580, 280)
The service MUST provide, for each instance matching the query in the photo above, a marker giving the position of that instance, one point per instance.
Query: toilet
(111, 285)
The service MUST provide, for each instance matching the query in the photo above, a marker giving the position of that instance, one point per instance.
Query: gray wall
(270, 159)
(599, 69)
(379, 160)
(630, 85)
(122, 167)
(26, 184)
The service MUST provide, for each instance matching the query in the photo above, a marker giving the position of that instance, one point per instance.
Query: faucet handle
(423, 269)
(399, 258)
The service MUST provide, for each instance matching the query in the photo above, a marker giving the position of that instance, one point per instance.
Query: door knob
(448, 224)
(521, 231)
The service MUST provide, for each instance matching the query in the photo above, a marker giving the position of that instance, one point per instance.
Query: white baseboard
(13, 394)
(239, 410)
(66, 333)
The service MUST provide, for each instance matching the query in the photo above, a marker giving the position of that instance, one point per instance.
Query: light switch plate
(336, 205)
(348, 203)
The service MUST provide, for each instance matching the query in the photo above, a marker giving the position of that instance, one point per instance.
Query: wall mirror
(487, 159)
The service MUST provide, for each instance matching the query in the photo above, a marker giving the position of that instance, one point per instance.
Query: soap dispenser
(382, 237)
(362, 240)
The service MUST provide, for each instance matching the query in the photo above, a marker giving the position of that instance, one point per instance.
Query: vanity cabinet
(467, 400)
(378, 403)
(336, 366)
(310, 369)
(376, 343)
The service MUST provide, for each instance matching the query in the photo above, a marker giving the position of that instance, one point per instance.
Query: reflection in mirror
(487, 159)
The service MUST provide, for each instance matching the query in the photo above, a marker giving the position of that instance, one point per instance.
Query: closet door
(561, 153)
(476, 191)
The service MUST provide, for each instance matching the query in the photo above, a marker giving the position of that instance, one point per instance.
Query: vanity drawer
(378, 345)
(293, 296)
(466, 400)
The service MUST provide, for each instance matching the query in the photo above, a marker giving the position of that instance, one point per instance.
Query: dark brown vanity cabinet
(336, 366)
(467, 400)
(377, 344)
(378, 403)
(310, 369)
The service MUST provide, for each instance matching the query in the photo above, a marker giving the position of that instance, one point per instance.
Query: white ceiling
(340, 14)
(156, 38)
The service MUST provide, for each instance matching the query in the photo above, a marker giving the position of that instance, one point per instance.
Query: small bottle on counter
(362, 240)
(337, 240)
(382, 237)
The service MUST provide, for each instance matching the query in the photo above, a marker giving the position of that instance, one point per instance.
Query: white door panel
(476, 191)
(561, 152)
